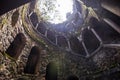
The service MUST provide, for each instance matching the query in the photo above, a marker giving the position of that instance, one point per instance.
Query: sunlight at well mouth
(55, 11)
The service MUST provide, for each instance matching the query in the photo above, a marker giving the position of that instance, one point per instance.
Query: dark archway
(32, 64)
(51, 71)
(16, 47)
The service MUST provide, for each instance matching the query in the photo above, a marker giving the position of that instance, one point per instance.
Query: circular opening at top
(56, 11)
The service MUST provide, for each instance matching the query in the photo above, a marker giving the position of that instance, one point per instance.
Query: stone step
(16, 47)
(32, 64)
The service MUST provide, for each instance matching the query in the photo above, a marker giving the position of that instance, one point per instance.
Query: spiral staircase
(99, 31)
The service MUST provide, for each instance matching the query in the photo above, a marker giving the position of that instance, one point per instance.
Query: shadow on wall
(8, 5)
(72, 77)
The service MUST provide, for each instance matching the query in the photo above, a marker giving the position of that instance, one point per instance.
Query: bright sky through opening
(55, 11)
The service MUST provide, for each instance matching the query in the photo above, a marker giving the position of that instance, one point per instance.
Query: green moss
(4, 21)
(6, 55)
